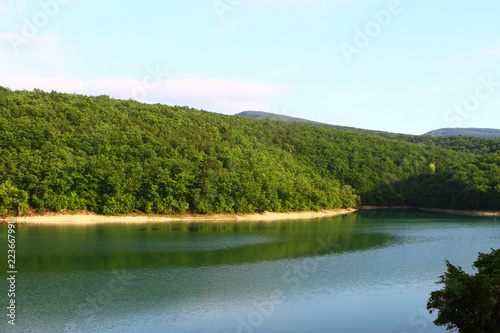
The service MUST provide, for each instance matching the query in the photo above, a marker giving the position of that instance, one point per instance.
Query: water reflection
(108, 247)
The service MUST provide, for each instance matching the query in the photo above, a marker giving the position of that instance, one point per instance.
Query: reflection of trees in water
(118, 246)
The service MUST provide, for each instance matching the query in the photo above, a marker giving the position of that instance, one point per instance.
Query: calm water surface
(364, 272)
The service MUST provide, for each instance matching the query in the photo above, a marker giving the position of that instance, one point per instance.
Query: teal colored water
(364, 272)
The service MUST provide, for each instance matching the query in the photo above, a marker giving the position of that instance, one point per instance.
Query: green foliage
(12, 200)
(114, 156)
(470, 303)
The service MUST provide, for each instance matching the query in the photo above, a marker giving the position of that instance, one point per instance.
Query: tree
(12, 200)
(469, 303)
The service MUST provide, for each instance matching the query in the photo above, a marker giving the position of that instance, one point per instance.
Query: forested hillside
(61, 151)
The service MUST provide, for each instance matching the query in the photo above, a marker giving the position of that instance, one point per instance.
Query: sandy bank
(90, 218)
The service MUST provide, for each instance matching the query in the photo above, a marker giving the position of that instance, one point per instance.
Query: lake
(370, 271)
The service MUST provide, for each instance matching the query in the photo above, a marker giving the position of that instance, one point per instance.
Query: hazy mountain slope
(259, 115)
(475, 132)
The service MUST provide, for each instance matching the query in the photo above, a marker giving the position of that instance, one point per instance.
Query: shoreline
(461, 212)
(435, 210)
(385, 207)
(85, 217)
(91, 218)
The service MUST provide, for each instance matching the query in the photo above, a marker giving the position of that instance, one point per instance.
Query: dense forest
(73, 152)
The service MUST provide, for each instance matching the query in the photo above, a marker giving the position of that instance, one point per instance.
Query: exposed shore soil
(84, 217)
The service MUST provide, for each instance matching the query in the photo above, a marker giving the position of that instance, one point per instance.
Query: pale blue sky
(407, 66)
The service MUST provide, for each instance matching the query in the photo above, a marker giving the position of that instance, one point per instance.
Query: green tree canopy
(111, 156)
(469, 303)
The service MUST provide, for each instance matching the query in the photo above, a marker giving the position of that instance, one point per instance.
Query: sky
(403, 66)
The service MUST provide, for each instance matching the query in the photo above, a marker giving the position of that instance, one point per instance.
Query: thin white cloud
(313, 5)
(3, 7)
(22, 8)
(495, 53)
(433, 89)
(295, 2)
(349, 97)
(42, 55)
(225, 96)
(481, 57)
(443, 87)
(283, 2)
(44, 63)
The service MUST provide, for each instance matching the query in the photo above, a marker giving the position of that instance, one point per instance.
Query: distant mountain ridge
(260, 115)
(489, 133)
(475, 132)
